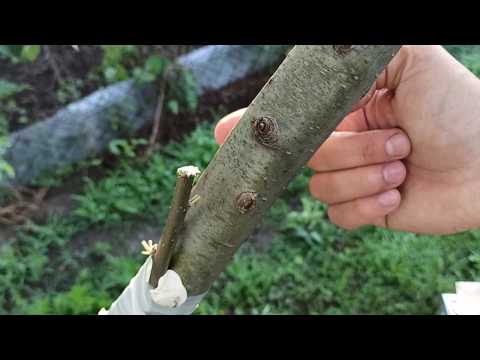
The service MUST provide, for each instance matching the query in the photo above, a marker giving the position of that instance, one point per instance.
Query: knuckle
(360, 208)
(323, 187)
(332, 216)
(369, 149)
(315, 187)
(338, 218)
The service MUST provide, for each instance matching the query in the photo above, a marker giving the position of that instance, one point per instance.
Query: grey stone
(84, 129)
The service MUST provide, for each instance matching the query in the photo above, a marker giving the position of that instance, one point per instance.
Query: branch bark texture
(296, 111)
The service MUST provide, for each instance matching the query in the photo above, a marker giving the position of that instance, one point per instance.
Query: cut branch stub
(164, 250)
(312, 91)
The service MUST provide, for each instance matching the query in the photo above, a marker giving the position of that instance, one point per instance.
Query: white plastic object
(466, 300)
(139, 298)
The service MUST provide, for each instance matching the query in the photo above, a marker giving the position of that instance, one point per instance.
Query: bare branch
(157, 118)
(164, 250)
(299, 107)
(53, 64)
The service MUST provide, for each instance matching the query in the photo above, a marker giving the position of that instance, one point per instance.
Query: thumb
(225, 125)
(374, 110)
(390, 77)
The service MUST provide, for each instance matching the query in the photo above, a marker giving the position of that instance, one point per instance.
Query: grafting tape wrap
(139, 298)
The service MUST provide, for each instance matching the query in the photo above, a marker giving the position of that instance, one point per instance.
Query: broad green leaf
(173, 106)
(155, 65)
(8, 89)
(6, 168)
(30, 52)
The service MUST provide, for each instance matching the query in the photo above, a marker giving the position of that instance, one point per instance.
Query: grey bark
(299, 107)
(84, 129)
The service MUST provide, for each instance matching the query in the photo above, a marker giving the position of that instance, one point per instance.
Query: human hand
(409, 157)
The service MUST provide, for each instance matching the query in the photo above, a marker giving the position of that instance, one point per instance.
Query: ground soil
(41, 102)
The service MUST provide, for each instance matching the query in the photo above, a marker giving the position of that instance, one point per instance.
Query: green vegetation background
(310, 267)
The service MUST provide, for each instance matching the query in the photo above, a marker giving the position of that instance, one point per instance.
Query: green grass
(467, 55)
(43, 263)
(312, 267)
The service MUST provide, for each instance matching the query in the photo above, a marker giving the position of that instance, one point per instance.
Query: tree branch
(299, 107)
(53, 64)
(164, 250)
(158, 112)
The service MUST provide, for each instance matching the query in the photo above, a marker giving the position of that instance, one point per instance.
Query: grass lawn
(309, 267)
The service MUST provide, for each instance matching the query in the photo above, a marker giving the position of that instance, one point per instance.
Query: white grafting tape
(170, 291)
(139, 298)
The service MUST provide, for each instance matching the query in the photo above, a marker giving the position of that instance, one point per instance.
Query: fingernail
(393, 173)
(229, 118)
(397, 145)
(388, 199)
